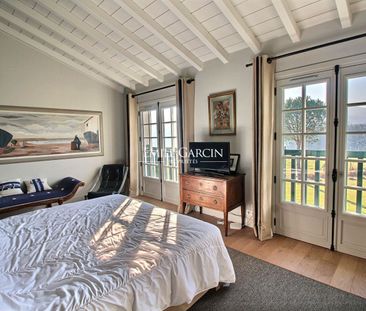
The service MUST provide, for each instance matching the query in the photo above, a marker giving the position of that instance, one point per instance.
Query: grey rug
(263, 286)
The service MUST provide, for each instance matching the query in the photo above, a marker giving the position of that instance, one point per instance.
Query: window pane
(154, 143)
(315, 170)
(315, 145)
(291, 169)
(292, 192)
(314, 195)
(292, 122)
(145, 117)
(292, 145)
(147, 170)
(174, 129)
(153, 116)
(356, 174)
(316, 95)
(293, 98)
(167, 129)
(355, 201)
(356, 119)
(174, 114)
(146, 130)
(356, 146)
(356, 90)
(153, 130)
(151, 171)
(146, 144)
(167, 143)
(316, 120)
(166, 114)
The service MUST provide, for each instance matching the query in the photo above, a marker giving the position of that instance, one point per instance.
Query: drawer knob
(215, 201)
(188, 196)
(201, 198)
(215, 188)
(200, 184)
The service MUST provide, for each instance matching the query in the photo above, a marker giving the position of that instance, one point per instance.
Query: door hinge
(139, 113)
(334, 175)
(274, 221)
(275, 91)
(140, 139)
(142, 188)
(275, 136)
(335, 122)
(274, 179)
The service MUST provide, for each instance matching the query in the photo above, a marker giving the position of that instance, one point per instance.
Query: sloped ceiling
(131, 42)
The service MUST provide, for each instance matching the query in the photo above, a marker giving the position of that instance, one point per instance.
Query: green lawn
(309, 199)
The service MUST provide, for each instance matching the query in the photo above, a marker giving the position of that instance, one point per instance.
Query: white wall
(217, 77)
(30, 78)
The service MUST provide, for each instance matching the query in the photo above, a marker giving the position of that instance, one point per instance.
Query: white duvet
(111, 253)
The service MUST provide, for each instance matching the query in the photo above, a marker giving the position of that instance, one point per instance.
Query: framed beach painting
(33, 134)
(221, 112)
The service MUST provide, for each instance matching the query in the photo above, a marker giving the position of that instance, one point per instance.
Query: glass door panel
(355, 146)
(170, 144)
(304, 144)
(150, 144)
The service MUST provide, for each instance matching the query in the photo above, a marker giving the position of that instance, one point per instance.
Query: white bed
(107, 254)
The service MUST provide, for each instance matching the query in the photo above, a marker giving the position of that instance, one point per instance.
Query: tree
(315, 120)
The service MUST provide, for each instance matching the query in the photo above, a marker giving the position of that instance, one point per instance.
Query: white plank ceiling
(130, 42)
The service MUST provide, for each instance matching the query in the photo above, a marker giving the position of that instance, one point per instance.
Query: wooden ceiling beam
(233, 16)
(72, 38)
(62, 12)
(145, 19)
(344, 13)
(66, 49)
(123, 31)
(38, 46)
(180, 11)
(287, 19)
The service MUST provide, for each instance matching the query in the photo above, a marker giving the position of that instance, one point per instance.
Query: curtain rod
(270, 59)
(160, 88)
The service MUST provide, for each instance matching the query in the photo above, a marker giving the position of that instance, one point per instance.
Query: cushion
(37, 185)
(10, 187)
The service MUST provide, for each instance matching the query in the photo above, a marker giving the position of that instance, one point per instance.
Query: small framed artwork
(234, 162)
(221, 112)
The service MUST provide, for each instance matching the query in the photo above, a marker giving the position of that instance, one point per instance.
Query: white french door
(159, 150)
(351, 228)
(304, 160)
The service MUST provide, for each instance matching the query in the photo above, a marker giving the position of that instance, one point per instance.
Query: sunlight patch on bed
(107, 241)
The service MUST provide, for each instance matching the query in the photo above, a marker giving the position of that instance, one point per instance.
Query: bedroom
(125, 86)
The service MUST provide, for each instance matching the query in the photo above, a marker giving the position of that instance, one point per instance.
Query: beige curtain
(133, 145)
(185, 110)
(263, 145)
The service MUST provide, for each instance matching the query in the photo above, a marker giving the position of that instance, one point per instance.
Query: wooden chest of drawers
(223, 193)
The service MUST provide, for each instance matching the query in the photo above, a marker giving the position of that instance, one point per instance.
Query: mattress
(110, 253)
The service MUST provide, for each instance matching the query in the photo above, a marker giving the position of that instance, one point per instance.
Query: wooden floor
(333, 268)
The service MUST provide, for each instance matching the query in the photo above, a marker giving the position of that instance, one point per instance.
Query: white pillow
(10, 187)
(37, 185)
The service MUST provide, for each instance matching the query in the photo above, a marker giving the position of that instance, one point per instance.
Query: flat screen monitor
(210, 156)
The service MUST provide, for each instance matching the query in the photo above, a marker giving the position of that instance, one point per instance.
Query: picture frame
(234, 162)
(34, 134)
(222, 113)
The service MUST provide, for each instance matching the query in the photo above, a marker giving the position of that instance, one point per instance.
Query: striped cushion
(37, 185)
(10, 187)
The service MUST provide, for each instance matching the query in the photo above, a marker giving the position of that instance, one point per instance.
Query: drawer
(204, 185)
(203, 200)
